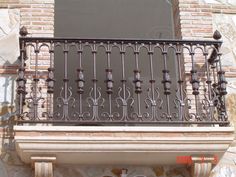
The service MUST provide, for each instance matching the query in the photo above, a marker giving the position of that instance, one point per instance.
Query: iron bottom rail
(116, 123)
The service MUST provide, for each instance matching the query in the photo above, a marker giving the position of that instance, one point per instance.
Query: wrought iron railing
(174, 81)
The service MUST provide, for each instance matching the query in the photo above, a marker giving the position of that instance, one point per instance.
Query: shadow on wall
(8, 110)
(121, 171)
(7, 102)
(231, 107)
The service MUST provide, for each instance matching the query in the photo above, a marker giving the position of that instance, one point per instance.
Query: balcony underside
(119, 144)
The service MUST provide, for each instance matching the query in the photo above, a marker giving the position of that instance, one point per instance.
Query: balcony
(121, 101)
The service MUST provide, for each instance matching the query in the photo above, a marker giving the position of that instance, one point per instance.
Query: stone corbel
(43, 166)
(124, 172)
(202, 165)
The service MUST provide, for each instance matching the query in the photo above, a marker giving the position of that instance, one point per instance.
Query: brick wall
(194, 19)
(37, 16)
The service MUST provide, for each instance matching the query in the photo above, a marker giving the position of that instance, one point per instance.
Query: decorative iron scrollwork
(64, 103)
(155, 102)
(124, 100)
(35, 96)
(95, 101)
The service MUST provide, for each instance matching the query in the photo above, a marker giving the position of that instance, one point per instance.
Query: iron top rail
(121, 40)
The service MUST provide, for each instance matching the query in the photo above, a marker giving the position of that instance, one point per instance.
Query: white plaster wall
(226, 24)
(227, 2)
(9, 33)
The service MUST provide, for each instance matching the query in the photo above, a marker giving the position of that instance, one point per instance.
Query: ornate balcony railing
(173, 81)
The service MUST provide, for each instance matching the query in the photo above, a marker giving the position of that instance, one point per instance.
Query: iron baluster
(137, 83)
(66, 80)
(65, 99)
(123, 99)
(80, 83)
(195, 84)
(21, 80)
(210, 99)
(109, 85)
(166, 84)
(35, 95)
(50, 82)
(153, 95)
(221, 86)
(180, 84)
(109, 80)
(95, 96)
(36, 99)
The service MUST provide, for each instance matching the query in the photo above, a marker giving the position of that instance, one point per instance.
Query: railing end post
(217, 35)
(23, 31)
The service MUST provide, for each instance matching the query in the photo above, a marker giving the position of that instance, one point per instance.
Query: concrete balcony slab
(101, 145)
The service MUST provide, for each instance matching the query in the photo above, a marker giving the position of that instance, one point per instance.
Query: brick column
(37, 16)
(193, 20)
